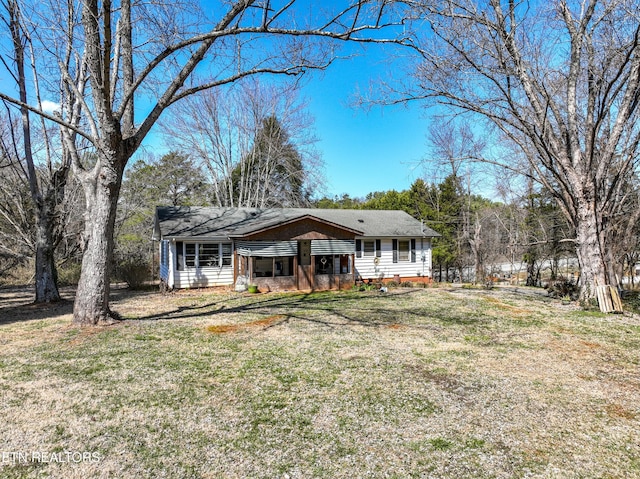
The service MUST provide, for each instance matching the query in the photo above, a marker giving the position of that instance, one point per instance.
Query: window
(403, 250)
(227, 254)
(369, 248)
(283, 266)
(203, 255)
(190, 255)
(179, 255)
(333, 264)
(345, 264)
(262, 267)
(208, 254)
(270, 267)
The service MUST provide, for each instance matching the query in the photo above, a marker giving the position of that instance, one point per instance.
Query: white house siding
(197, 277)
(385, 268)
(364, 266)
(204, 277)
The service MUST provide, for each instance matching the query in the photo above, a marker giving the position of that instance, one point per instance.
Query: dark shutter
(378, 248)
(358, 248)
(413, 250)
(395, 250)
(179, 256)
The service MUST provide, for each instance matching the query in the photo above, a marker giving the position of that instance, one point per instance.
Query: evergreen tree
(173, 180)
(272, 174)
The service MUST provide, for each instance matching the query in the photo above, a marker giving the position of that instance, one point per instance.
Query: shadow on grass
(331, 309)
(34, 312)
(17, 306)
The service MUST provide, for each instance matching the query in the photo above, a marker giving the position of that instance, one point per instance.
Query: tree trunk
(591, 258)
(532, 277)
(45, 275)
(92, 297)
(476, 245)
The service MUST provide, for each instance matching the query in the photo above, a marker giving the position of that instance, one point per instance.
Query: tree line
(478, 235)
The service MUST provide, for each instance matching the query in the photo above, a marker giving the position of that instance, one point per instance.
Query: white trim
(196, 255)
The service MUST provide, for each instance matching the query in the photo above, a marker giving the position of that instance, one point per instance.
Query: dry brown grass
(416, 383)
(234, 328)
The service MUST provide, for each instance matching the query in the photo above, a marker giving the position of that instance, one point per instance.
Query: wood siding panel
(329, 247)
(267, 248)
(279, 283)
(303, 229)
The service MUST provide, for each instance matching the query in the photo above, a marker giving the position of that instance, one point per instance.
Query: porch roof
(196, 221)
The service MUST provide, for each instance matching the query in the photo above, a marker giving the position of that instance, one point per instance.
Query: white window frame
(209, 252)
(226, 254)
(223, 257)
(190, 257)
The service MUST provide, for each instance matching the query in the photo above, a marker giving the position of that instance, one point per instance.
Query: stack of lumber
(609, 299)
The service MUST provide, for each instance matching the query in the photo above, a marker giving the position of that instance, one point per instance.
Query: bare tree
(16, 206)
(21, 232)
(115, 54)
(560, 79)
(454, 145)
(46, 183)
(255, 141)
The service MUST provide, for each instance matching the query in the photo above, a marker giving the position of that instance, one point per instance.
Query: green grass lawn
(415, 383)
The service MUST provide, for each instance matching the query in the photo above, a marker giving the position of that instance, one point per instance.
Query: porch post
(352, 267)
(235, 265)
(312, 268)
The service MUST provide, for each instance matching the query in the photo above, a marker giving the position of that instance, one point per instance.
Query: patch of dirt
(616, 410)
(396, 326)
(260, 323)
(507, 307)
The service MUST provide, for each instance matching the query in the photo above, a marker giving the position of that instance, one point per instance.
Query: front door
(305, 276)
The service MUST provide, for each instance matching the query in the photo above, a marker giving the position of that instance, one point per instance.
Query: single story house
(289, 248)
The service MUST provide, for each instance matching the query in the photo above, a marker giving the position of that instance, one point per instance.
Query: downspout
(173, 263)
(423, 256)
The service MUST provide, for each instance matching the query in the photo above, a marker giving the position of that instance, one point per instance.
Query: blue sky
(364, 151)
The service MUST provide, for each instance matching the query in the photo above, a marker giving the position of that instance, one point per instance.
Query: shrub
(631, 299)
(133, 272)
(69, 273)
(14, 273)
(562, 288)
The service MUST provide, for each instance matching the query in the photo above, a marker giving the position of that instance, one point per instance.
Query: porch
(316, 265)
